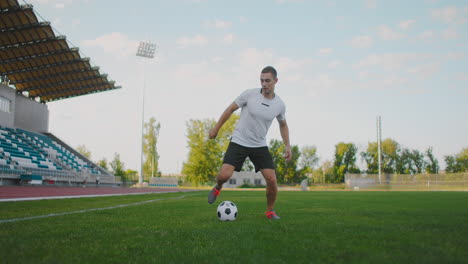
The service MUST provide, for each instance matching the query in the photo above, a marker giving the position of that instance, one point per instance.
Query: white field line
(70, 196)
(92, 210)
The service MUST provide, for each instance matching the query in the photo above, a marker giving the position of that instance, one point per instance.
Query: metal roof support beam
(52, 76)
(39, 55)
(84, 87)
(31, 43)
(16, 9)
(71, 81)
(48, 66)
(25, 27)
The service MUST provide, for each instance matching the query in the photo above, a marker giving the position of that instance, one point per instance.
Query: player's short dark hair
(270, 69)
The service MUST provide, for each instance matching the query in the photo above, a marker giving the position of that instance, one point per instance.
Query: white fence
(451, 181)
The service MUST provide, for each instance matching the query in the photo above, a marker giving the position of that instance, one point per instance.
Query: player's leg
(263, 162)
(233, 161)
(224, 174)
(272, 187)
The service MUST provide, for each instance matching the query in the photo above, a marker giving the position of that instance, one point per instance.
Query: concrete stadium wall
(8, 118)
(24, 112)
(31, 115)
(247, 177)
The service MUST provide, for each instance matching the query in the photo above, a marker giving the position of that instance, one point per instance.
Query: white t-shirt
(256, 117)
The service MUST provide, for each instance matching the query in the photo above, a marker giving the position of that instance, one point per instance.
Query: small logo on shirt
(265, 105)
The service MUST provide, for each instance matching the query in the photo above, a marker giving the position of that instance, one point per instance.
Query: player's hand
(212, 134)
(287, 154)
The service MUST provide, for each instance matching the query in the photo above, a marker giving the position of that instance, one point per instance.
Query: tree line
(205, 158)
(150, 156)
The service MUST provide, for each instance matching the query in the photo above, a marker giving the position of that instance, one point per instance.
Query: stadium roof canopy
(40, 63)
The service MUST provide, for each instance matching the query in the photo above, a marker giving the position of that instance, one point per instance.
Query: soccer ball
(227, 211)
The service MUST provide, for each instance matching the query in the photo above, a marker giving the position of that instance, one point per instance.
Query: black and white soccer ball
(227, 211)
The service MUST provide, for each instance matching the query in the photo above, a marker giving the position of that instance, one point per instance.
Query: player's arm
(284, 130)
(224, 117)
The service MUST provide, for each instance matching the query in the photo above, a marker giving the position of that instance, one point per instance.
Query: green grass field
(316, 227)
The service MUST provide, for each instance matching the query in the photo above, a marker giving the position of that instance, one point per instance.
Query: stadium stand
(33, 157)
(36, 67)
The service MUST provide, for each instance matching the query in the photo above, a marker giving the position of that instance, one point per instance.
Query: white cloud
(252, 56)
(451, 15)
(228, 38)
(59, 4)
(197, 40)
(462, 76)
(324, 82)
(406, 24)
(290, 70)
(425, 70)
(386, 33)
(450, 33)
(363, 74)
(334, 64)
(217, 59)
(370, 3)
(362, 42)
(325, 51)
(288, 1)
(220, 24)
(388, 61)
(76, 22)
(116, 43)
(243, 19)
(199, 75)
(428, 34)
(455, 55)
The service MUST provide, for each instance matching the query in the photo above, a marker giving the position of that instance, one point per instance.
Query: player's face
(268, 82)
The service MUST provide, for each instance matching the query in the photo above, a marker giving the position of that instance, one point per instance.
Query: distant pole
(146, 49)
(379, 139)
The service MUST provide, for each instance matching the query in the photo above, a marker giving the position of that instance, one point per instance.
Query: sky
(340, 65)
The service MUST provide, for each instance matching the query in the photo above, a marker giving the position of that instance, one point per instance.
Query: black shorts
(260, 157)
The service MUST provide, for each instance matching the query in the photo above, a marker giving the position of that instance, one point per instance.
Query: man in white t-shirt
(259, 108)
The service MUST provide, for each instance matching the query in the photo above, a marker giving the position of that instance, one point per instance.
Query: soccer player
(259, 107)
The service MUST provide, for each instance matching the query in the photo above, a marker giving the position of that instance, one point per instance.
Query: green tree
(103, 163)
(324, 174)
(389, 156)
(131, 175)
(418, 162)
(83, 150)
(150, 151)
(432, 163)
(118, 167)
(462, 160)
(403, 164)
(345, 160)
(457, 162)
(286, 172)
(309, 159)
(205, 155)
(451, 164)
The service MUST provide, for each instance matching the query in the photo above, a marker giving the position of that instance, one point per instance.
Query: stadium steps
(96, 169)
(57, 149)
(26, 153)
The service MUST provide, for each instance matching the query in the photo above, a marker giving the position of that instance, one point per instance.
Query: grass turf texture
(327, 227)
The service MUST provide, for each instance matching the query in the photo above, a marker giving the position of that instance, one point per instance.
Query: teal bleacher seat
(21, 149)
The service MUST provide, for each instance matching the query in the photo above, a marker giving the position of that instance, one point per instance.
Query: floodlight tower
(379, 146)
(146, 49)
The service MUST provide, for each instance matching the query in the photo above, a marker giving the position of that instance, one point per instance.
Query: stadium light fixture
(146, 49)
